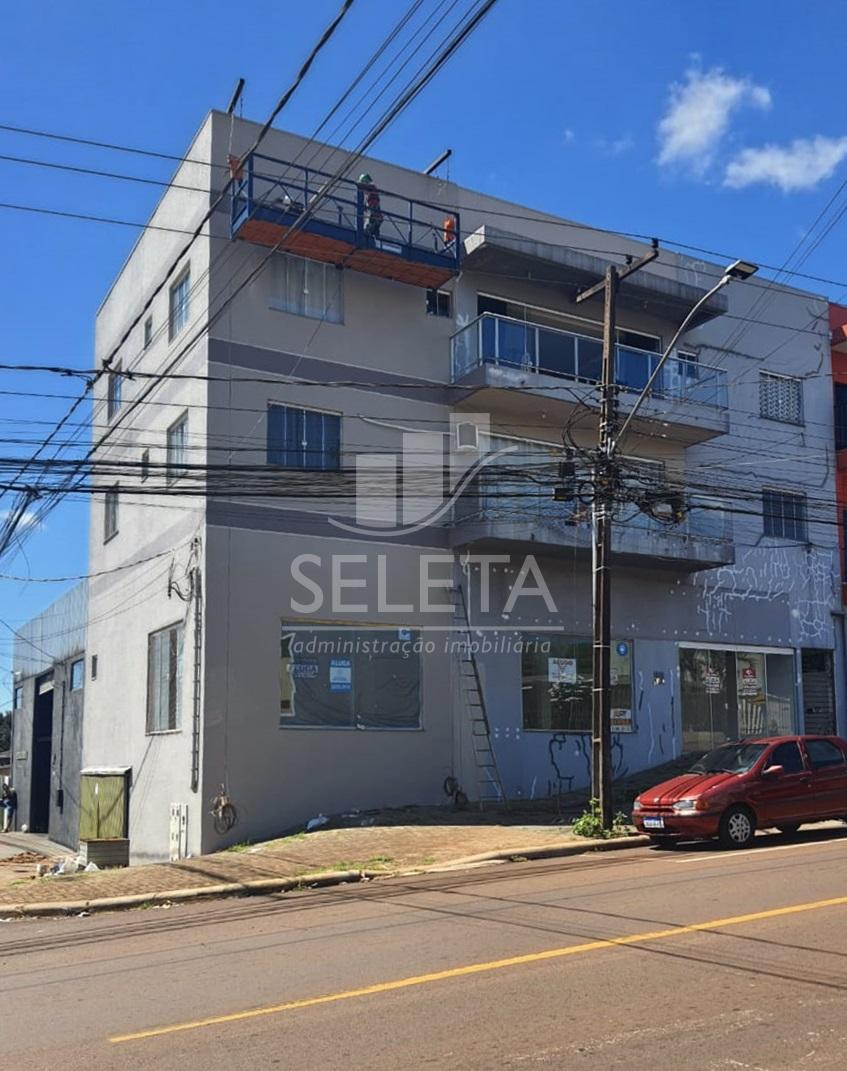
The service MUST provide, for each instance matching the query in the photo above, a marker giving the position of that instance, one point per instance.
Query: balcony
(496, 353)
(511, 506)
(415, 242)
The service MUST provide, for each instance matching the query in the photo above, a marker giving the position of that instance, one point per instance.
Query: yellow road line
(481, 968)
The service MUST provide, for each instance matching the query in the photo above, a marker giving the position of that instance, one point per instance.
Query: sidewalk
(14, 843)
(322, 857)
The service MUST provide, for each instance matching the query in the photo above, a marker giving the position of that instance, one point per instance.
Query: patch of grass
(379, 860)
(242, 846)
(427, 860)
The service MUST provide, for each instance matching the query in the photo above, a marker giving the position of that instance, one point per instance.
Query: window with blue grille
(784, 515)
(303, 438)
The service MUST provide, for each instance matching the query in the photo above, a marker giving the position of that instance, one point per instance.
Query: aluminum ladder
(489, 782)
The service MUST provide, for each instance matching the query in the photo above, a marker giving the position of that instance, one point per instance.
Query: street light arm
(680, 331)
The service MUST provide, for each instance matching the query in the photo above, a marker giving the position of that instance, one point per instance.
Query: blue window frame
(303, 438)
(784, 515)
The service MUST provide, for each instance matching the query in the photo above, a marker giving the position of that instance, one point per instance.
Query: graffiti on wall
(562, 746)
(803, 580)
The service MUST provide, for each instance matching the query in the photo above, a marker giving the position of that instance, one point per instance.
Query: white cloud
(798, 166)
(568, 136)
(615, 146)
(699, 114)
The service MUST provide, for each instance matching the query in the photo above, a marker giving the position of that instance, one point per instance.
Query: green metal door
(102, 807)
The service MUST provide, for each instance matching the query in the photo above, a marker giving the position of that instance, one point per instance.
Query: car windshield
(730, 758)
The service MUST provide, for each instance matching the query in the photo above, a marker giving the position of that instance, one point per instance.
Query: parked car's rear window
(729, 758)
(823, 753)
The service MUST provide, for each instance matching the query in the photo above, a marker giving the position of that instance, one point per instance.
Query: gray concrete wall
(156, 528)
(279, 777)
(21, 773)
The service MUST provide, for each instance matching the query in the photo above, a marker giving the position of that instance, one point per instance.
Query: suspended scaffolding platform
(388, 235)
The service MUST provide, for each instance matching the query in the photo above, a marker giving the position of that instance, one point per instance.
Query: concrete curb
(257, 886)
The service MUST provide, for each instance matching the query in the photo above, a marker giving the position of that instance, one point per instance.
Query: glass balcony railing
(499, 340)
(518, 486)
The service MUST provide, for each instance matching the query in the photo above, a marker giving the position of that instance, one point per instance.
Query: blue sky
(717, 124)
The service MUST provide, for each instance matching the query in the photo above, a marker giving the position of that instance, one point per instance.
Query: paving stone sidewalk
(376, 848)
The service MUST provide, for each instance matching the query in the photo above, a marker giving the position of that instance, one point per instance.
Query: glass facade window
(439, 303)
(77, 674)
(350, 678)
(557, 678)
(178, 309)
(784, 515)
(148, 331)
(303, 438)
(307, 288)
(110, 514)
(113, 391)
(164, 679)
(840, 415)
(732, 695)
(176, 449)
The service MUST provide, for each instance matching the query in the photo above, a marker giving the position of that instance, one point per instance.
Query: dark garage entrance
(42, 752)
(818, 692)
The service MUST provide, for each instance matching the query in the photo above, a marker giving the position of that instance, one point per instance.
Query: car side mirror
(773, 771)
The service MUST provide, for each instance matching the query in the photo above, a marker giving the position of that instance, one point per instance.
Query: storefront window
(557, 678)
(729, 695)
(350, 678)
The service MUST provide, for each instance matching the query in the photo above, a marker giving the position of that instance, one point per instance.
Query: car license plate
(654, 823)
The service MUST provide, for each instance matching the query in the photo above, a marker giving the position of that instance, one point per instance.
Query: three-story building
(332, 440)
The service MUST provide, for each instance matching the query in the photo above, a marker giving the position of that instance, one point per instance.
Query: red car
(778, 781)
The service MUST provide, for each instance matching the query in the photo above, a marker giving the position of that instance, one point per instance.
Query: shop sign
(341, 675)
(749, 682)
(712, 681)
(621, 720)
(561, 670)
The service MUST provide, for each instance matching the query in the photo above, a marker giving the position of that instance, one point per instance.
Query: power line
(10, 527)
(537, 217)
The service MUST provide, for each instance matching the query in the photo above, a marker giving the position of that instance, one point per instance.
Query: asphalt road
(695, 959)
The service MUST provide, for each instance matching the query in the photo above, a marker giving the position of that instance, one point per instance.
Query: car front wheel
(737, 828)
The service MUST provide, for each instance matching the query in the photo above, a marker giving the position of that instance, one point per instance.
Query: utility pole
(601, 547)
(604, 497)
(605, 486)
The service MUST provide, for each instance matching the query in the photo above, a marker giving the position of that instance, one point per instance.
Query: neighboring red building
(838, 327)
